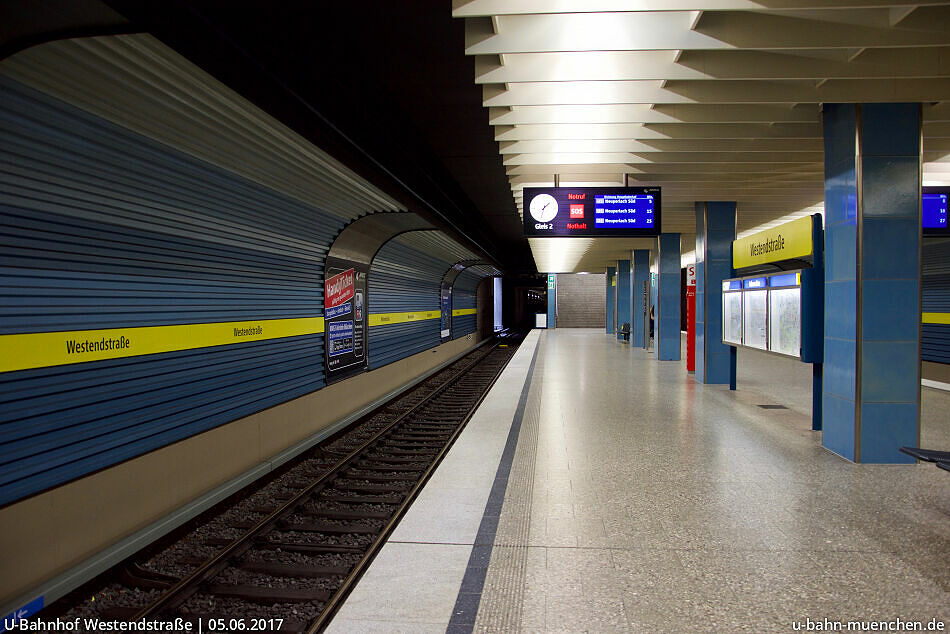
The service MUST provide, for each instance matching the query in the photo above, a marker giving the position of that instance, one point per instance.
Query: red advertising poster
(338, 289)
(344, 314)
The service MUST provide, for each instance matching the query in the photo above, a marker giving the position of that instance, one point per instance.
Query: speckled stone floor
(661, 505)
(641, 501)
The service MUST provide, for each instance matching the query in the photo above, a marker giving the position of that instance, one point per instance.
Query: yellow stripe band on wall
(785, 242)
(45, 349)
(935, 318)
(386, 319)
(463, 311)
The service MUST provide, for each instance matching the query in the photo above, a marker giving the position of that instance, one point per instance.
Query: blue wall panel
(839, 382)
(641, 276)
(611, 279)
(67, 421)
(103, 228)
(624, 296)
(464, 296)
(872, 250)
(667, 313)
(715, 231)
(404, 277)
(935, 296)
(397, 341)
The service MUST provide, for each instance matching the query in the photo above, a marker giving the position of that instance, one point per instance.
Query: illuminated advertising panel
(558, 212)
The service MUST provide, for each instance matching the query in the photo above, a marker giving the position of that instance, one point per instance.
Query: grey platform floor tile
(640, 570)
(427, 522)
(348, 626)
(533, 610)
(582, 561)
(581, 614)
(679, 507)
(409, 583)
(554, 586)
(647, 612)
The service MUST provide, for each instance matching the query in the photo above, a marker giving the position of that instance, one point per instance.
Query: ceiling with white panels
(714, 100)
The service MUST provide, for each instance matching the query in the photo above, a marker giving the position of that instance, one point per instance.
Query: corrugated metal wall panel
(209, 247)
(463, 325)
(101, 227)
(142, 85)
(438, 245)
(464, 296)
(935, 343)
(60, 160)
(59, 423)
(935, 298)
(138, 191)
(406, 275)
(398, 341)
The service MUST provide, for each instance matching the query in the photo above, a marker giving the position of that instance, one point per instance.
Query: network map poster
(345, 305)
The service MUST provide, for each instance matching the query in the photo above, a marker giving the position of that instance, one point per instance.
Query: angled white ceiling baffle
(713, 100)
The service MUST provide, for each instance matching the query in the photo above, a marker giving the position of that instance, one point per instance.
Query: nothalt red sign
(338, 289)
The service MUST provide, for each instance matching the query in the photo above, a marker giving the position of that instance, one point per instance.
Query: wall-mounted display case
(766, 312)
(732, 312)
(776, 302)
(785, 314)
(755, 313)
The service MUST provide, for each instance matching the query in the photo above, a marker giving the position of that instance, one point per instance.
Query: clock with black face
(543, 207)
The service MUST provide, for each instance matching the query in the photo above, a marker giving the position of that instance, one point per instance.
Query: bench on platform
(941, 458)
(625, 331)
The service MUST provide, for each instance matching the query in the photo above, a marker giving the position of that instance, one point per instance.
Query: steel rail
(189, 585)
(349, 582)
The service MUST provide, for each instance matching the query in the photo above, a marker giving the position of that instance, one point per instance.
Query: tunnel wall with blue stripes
(104, 228)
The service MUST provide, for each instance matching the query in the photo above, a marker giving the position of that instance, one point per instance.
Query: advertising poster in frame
(445, 302)
(345, 308)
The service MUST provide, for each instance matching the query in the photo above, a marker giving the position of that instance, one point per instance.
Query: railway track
(286, 557)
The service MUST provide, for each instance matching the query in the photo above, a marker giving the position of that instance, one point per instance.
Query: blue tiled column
(667, 313)
(623, 295)
(552, 299)
(871, 382)
(715, 231)
(611, 280)
(641, 275)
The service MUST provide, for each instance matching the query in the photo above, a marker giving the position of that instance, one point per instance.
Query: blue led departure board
(933, 211)
(623, 210)
(558, 212)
